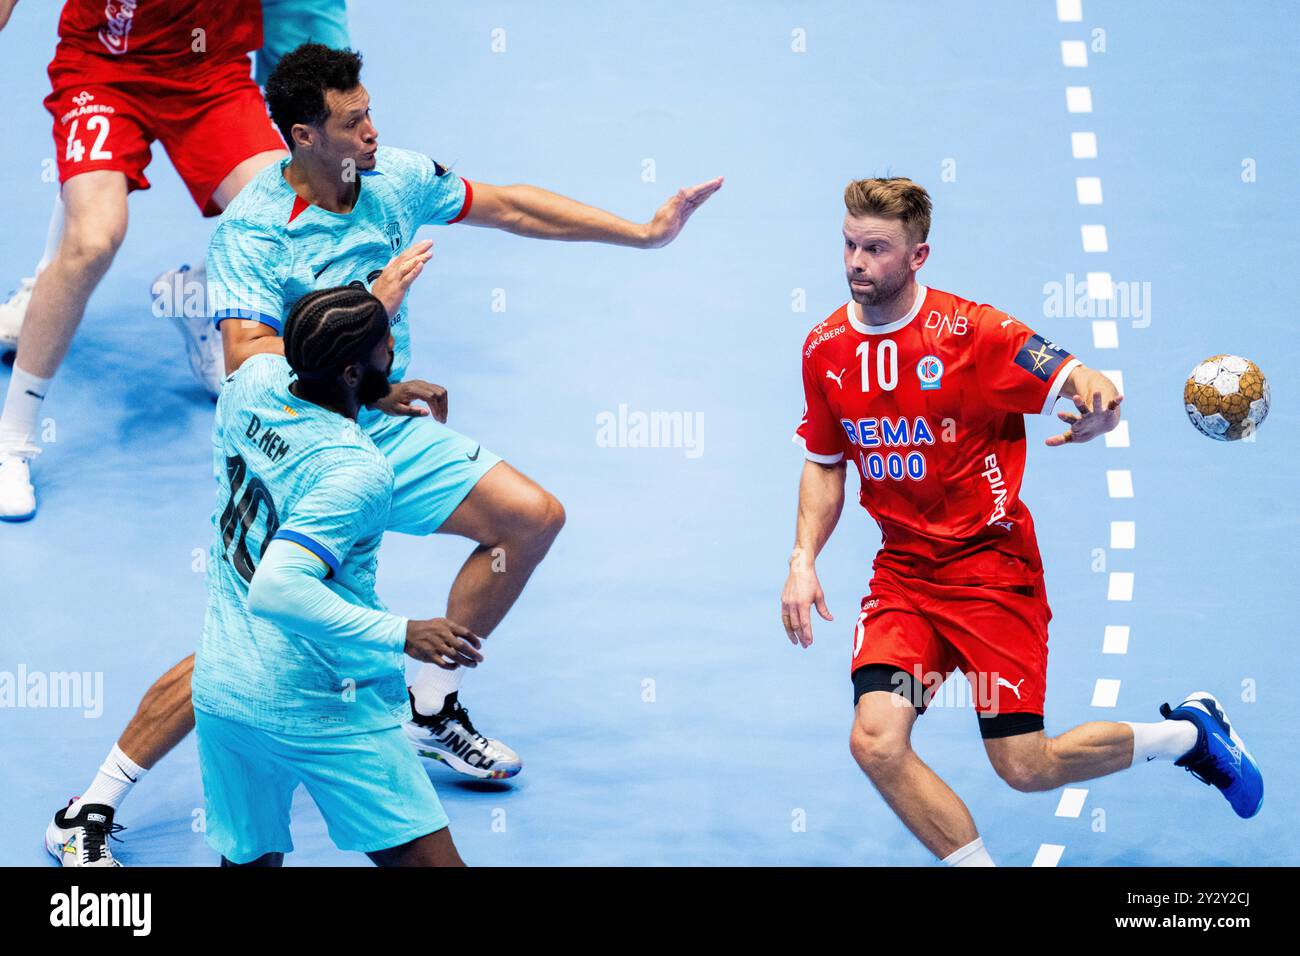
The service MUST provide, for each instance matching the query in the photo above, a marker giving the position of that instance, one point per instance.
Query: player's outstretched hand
(402, 396)
(802, 592)
(442, 642)
(1090, 422)
(672, 215)
(403, 269)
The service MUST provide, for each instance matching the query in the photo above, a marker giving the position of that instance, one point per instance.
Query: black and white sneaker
(449, 737)
(83, 840)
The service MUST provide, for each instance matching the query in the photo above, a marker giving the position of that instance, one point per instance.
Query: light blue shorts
(370, 787)
(288, 23)
(434, 468)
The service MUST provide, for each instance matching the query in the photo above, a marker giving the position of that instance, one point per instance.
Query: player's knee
(540, 518)
(875, 748)
(87, 249)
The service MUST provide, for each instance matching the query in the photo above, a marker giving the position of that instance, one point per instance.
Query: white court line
(1094, 238)
(1105, 334)
(1074, 53)
(1123, 535)
(1100, 285)
(1083, 145)
(1119, 586)
(1116, 376)
(1069, 11)
(1119, 437)
(1115, 639)
(1078, 99)
(1049, 854)
(1072, 799)
(1119, 483)
(1087, 189)
(1106, 693)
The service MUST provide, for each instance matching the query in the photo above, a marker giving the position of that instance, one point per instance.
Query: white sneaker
(14, 311)
(450, 738)
(172, 297)
(17, 496)
(82, 840)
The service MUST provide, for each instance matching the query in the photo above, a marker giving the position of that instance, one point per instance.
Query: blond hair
(893, 198)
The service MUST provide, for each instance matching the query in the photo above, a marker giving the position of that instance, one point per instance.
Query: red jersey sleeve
(1019, 370)
(819, 432)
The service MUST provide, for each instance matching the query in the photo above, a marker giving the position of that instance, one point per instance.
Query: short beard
(374, 386)
(882, 290)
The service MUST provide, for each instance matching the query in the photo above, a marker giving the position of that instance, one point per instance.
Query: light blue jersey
(270, 248)
(287, 24)
(289, 469)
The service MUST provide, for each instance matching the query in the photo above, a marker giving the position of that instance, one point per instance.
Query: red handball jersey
(161, 37)
(930, 409)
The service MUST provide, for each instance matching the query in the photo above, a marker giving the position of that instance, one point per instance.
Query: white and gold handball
(1226, 397)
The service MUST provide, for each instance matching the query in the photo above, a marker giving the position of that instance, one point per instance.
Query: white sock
(1162, 740)
(22, 408)
(972, 854)
(53, 235)
(117, 775)
(432, 686)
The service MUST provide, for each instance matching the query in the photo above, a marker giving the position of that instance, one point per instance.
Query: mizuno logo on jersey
(1040, 357)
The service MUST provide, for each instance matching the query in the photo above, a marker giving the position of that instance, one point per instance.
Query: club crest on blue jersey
(930, 371)
(1040, 357)
(394, 232)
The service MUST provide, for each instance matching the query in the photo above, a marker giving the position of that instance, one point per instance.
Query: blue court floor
(644, 677)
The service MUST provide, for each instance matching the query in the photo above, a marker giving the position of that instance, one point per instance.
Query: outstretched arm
(541, 214)
(6, 8)
(1097, 400)
(821, 499)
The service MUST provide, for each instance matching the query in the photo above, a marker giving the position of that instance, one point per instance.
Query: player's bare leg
(514, 520)
(180, 294)
(163, 719)
(95, 224)
(432, 849)
(94, 227)
(1034, 762)
(77, 834)
(881, 744)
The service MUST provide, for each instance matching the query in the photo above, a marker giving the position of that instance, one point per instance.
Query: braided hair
(330, 329)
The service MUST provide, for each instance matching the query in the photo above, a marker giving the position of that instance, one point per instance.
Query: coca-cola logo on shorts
(115, 32)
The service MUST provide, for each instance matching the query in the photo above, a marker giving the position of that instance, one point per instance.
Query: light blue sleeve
(287, 590)
(246, 275)
(435, 195)
(348, 502)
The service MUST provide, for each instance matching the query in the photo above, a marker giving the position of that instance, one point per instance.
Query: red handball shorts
(106, 117)
(996, 635)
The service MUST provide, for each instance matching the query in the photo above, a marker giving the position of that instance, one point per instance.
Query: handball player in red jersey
(127, 73)
(925, 394)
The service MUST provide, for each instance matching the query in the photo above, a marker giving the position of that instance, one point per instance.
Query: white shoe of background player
(202, 340)
(13, 311)
(17, 496)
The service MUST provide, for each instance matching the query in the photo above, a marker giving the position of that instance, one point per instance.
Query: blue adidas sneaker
(1219, 757)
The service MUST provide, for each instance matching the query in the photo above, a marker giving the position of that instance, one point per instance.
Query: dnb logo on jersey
(1040, 357)
(929, 370)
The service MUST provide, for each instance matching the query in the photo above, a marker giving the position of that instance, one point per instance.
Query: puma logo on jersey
(836, 378)
(1014, 688)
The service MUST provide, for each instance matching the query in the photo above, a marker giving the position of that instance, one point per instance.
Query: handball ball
(1226, 397)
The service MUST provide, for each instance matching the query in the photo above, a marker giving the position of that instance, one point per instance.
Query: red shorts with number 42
(105, 118)
(995, 635)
